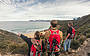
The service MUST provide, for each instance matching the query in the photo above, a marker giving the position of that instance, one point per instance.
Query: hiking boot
(66, 53)
(69, 50)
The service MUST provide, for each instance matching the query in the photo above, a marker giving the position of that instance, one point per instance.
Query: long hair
(37, 34)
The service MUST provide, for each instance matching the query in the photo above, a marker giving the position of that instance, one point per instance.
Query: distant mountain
(39, 20)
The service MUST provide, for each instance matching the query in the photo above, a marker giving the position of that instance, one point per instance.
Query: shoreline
(29, 35)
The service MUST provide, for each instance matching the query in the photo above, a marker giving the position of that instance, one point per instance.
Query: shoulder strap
(49, 32)
(60, 33)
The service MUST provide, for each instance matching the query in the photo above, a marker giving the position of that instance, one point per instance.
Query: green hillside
(10, 43)
(82, 24)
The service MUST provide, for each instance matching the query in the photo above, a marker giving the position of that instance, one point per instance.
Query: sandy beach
(30, 35)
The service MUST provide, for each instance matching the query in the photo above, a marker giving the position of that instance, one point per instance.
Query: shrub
(20, 49)
(88, 36)
(81, 40)
(75, 44)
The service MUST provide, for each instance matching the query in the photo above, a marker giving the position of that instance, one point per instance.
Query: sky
(24, 10)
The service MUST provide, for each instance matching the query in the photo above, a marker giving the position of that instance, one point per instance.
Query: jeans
(67, 44)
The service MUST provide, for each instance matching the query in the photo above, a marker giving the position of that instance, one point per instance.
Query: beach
(30, 35)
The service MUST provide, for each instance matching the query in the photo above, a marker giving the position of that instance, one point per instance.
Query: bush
(88, 36)
(75, 44)
(19, 49)
(13, 48)
(81, 40)
(3, 46)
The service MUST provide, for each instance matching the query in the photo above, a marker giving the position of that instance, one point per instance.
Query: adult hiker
(53, 39)
(70, 36)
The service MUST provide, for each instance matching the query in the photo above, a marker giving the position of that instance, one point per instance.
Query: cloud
(43, 9)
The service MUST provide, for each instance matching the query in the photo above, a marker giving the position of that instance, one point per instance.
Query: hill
(82, 24)
(10, 43)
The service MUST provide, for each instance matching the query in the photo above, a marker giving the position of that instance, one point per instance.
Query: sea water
(23, 26)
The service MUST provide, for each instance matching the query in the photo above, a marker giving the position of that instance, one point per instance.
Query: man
(53, 37)
(70, 36)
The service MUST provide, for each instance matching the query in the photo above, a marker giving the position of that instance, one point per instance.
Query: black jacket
(28, 41)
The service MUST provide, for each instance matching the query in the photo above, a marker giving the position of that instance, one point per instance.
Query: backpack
(73, 32)
(54, 40)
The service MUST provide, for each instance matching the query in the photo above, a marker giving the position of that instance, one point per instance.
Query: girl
(33, 43)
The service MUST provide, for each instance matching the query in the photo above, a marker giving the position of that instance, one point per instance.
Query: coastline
(29, 35)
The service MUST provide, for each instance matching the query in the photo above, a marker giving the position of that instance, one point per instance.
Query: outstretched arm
(25, 38)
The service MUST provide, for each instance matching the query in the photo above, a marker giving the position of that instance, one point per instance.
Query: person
(70, 36)
(53, 39)
(32, 42)
(42, 40)
(28, 41)
(36, 47)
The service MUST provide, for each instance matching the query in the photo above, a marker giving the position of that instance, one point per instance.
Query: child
(36, 47)
(33, 43)
(28, 41)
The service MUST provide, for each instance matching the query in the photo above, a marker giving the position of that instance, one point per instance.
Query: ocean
(23, 26)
